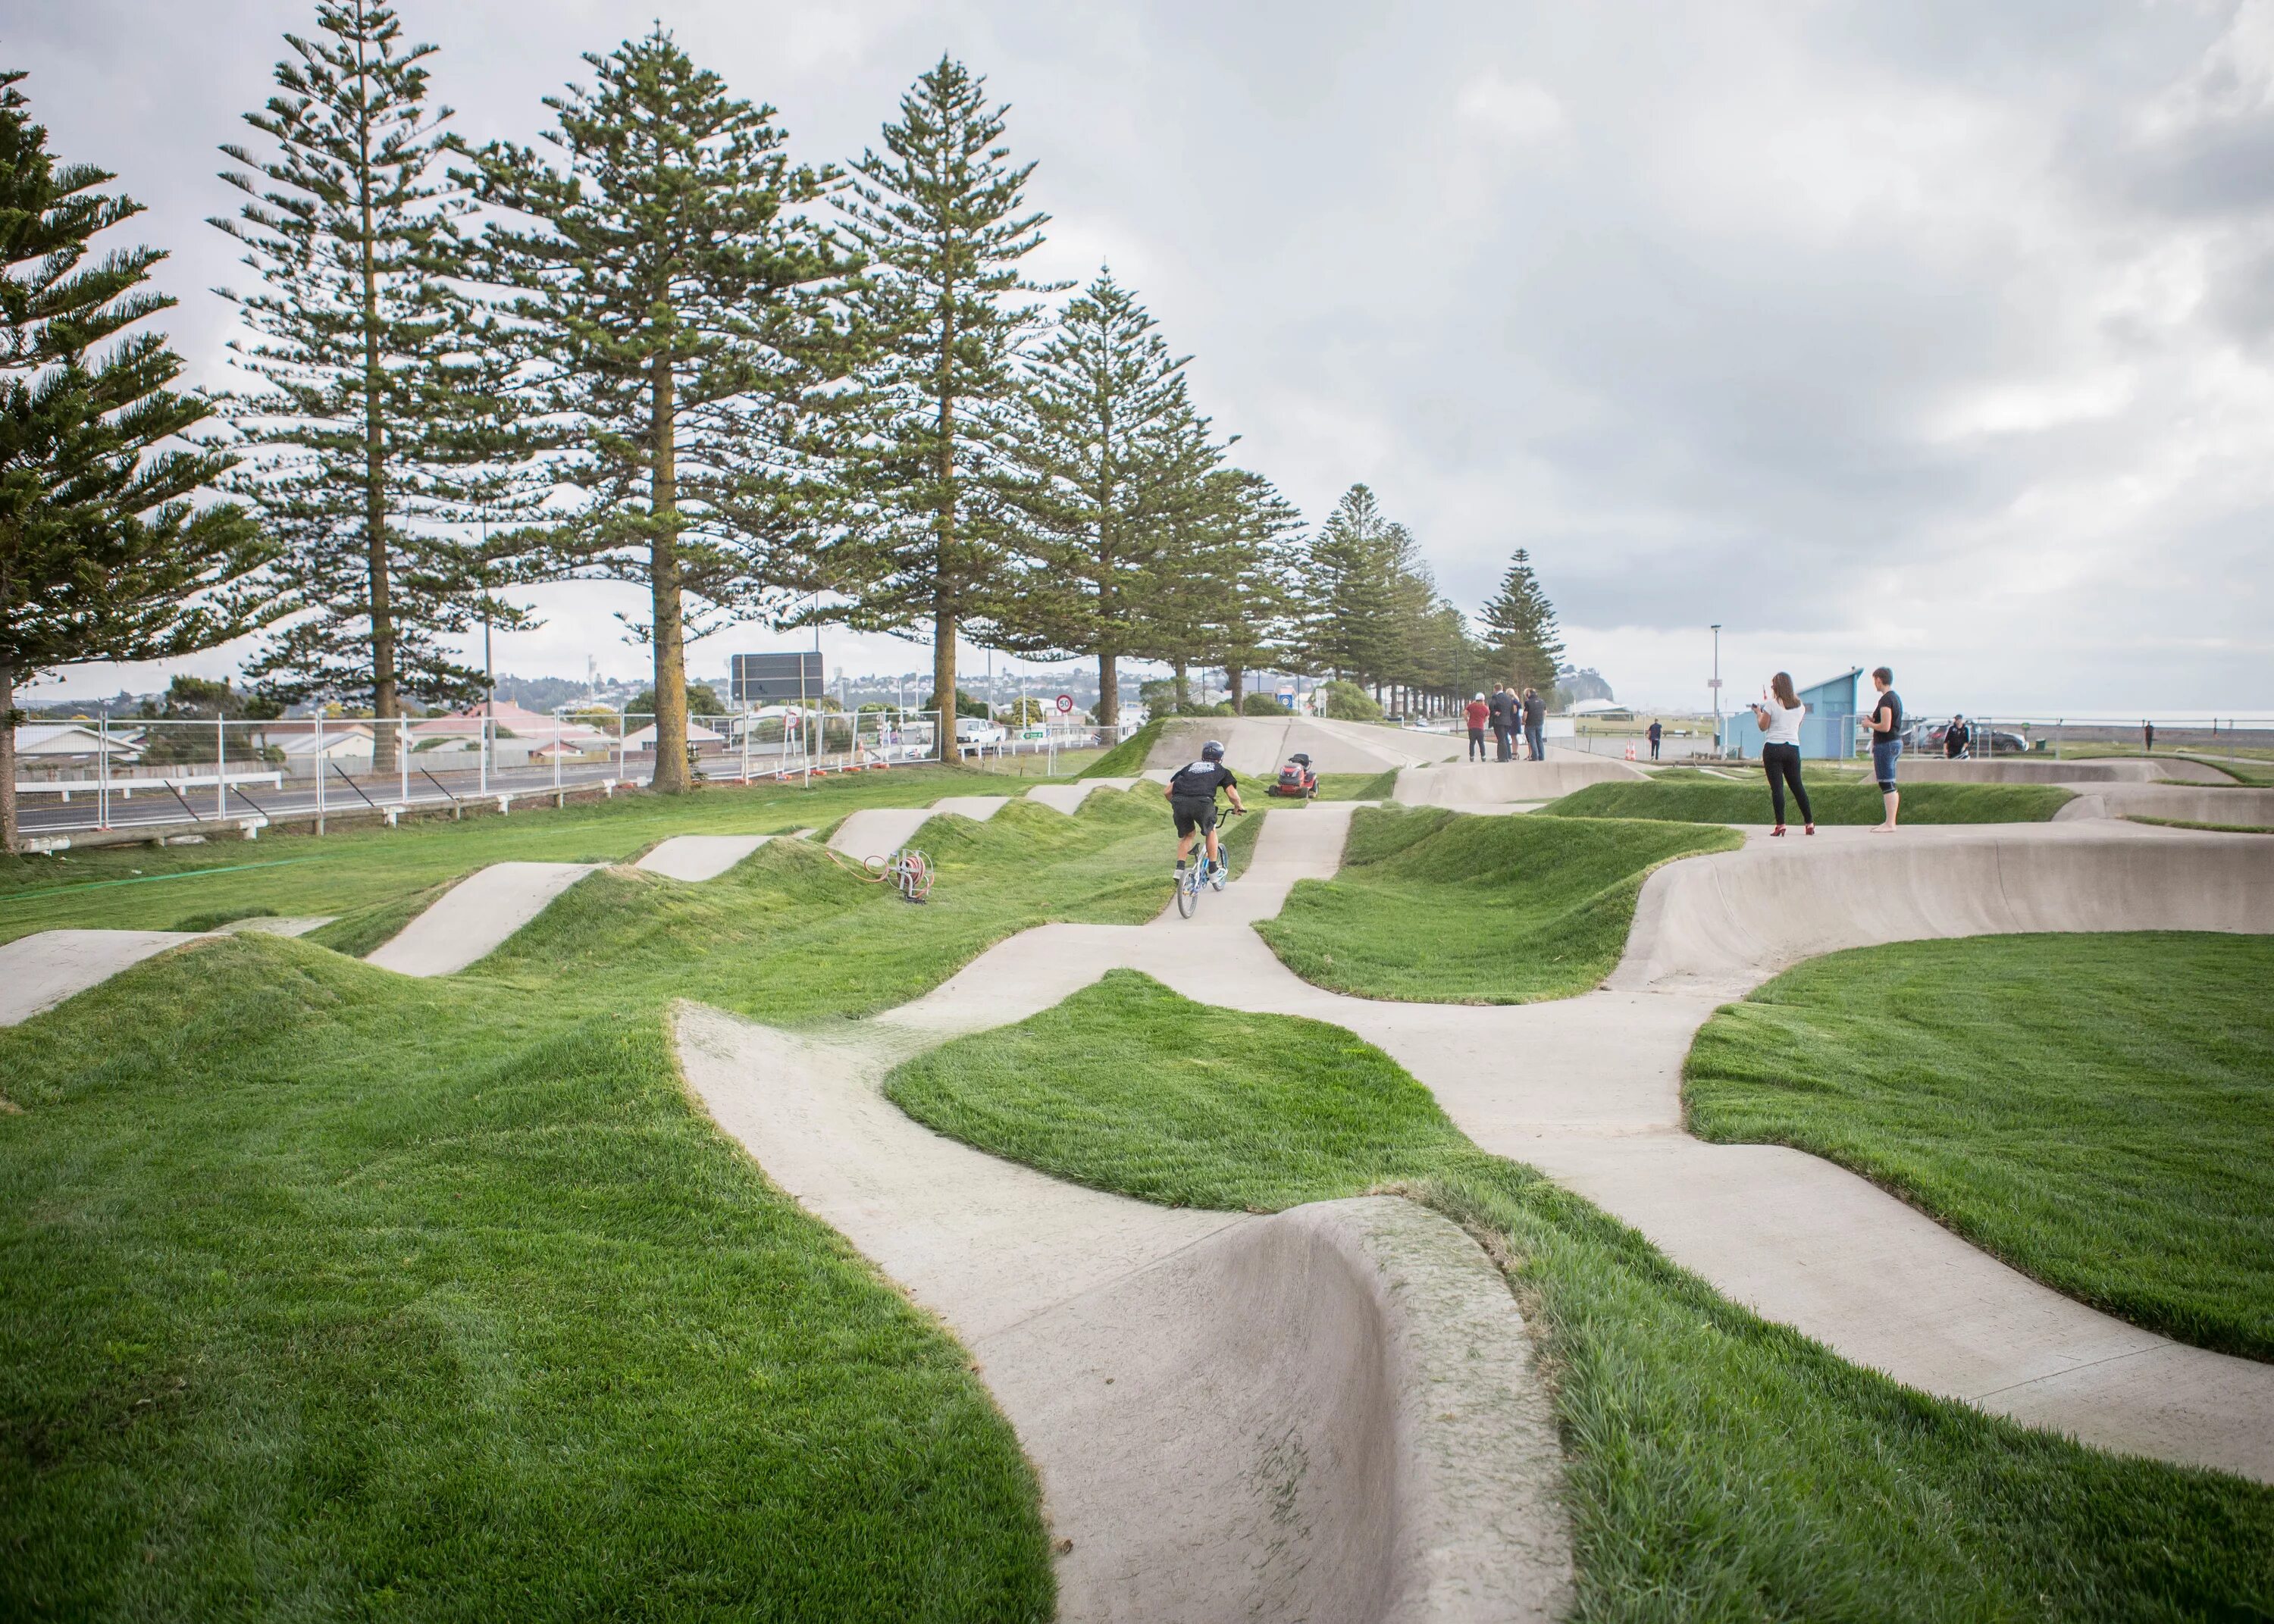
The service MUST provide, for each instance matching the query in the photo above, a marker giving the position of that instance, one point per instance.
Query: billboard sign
(776, 679)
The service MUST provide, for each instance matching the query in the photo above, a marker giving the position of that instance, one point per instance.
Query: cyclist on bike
(1192, 796)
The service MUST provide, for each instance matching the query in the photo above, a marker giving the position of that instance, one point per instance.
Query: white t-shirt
(1784, 726)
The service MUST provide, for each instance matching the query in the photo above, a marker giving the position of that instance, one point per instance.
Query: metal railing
(239, 776)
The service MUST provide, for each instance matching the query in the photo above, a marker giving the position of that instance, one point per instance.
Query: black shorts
(1193, 813)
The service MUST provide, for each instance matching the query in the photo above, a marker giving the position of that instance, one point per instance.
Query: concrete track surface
(1469, 784)
(699, 857)
(2110, 769)
(1588, 1089)
(1257, 746)
(473, 918)
(40, 970)
(1327, 1414)
(2236, 807)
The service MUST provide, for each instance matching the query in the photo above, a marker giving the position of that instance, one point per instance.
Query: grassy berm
(327, 1293)
(1696, 799)
(1719, 1468)
(1435, 907)
(2094, 1110)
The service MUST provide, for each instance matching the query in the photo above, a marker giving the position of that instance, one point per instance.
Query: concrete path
(2103, 770)
(1588, 1089)
(1255, 747)
(473, 918)
(2178, 803)
(700, 857)
(1472, 784)
(1328, 1413)
(40, 970)
(1067, 797)
(879, 832)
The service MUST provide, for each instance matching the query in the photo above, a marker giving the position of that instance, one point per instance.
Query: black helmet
(1213, 750)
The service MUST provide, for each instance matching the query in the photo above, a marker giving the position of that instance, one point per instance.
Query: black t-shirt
(1654, 731)
(1535, 712)
(1892, 703)
(1199, 780)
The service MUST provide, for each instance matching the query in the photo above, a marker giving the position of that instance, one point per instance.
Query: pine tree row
(653, 350)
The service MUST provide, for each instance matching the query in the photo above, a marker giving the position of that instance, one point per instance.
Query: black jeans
(1782, 763)
(1476, 744)
(1502, 752)
(1653, 749)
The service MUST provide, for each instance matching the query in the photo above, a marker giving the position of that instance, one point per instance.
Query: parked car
(1926, 738)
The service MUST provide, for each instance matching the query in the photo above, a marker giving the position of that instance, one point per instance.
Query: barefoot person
(1887, 724)
(1779, 715)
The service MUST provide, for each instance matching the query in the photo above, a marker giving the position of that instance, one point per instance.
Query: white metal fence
(239, 776)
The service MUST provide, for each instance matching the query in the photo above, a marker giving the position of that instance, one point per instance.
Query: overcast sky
(1934, 334)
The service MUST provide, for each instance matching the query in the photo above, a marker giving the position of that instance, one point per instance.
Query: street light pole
(1716, 686)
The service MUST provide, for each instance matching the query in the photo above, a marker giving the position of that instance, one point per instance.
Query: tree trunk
(1184, 686)
(385, 701)
(1235, 686)
(671, 775)
(945, 616)
(1109, 689)
(943, 676)
(9, 842)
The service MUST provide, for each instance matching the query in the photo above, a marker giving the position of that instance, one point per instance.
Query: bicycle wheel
(1188, 891)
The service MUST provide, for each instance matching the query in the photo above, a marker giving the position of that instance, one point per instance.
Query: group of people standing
(1509, 714)
(1779, 715)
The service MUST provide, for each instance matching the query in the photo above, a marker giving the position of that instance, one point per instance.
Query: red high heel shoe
(1810, 829)
(1778, 830)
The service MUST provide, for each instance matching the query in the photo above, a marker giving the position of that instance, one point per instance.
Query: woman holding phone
(1778, 714)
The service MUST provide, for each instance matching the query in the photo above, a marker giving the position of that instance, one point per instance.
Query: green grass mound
(2094, 1110)
(1719, 1468)
(372, 879)
(326, 1293)
(1435, 906)
(1126, 759)
(1696, 798)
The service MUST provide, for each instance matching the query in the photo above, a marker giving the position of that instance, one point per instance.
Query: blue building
(1827, 732)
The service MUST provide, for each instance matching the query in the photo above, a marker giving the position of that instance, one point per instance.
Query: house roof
(68, 738)
(644, 738)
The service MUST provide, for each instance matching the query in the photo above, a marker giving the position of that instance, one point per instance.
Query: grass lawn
(374, 877)
(2095, 1109)
(1353, 787)
(1125, 759)
(326, 1292)
(1699, 799)
(1435, 906)
(1721, 1468)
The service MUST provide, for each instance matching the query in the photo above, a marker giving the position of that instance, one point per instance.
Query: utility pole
(1716, 686)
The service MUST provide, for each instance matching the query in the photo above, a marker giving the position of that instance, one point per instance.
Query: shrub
(1261, 704)
(1347, 702)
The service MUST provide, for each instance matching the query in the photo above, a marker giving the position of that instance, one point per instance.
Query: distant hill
(1576, 683)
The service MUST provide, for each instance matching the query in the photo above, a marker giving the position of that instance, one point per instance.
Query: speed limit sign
(1066, 703)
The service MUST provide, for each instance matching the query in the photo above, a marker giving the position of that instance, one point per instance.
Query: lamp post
(1716, 686)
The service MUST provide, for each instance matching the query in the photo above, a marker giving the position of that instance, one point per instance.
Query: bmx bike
(1192, 878)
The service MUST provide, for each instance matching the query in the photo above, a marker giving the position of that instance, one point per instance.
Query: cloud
(1517, 112)
(1935, 332)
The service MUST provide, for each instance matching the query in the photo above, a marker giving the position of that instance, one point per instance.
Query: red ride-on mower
(1297, 781)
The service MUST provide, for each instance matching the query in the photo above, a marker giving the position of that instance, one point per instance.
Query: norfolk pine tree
(104, 554)
(1096, 477)
(1519, 626)
(678, 303)
(345, 223)
(939, 219)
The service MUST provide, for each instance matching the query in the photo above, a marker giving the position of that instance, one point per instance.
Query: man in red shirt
(1479, 715)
